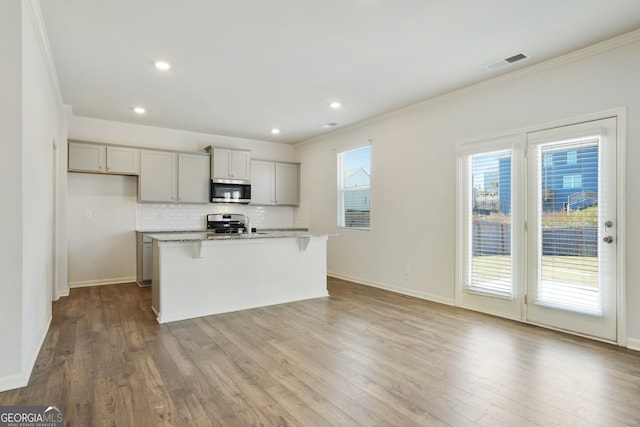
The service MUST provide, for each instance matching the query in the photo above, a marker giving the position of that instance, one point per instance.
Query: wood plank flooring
(362, 357)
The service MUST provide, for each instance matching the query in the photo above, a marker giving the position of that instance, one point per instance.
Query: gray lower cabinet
(144, 258)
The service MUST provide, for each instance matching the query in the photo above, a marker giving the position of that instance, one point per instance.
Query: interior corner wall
(11, 172)
(413, 170)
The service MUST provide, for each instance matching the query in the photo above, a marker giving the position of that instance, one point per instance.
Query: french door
(571, 228)
(537, 227)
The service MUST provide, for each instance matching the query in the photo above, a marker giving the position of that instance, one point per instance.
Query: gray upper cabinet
(275, 183)
(99, 158)
(123, 160)
(169, 177)
(263, 189)
(230, 164)
(287, 184)
(87, 157)
(193, 178)
(158, 180)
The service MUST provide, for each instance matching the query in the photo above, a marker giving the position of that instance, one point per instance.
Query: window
(572, 181)
(490, 215)
(489, 195)
(354, 188)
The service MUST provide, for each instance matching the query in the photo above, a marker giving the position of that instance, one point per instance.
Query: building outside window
(354, 188)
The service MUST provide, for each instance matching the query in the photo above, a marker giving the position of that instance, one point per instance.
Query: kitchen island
(200, 274)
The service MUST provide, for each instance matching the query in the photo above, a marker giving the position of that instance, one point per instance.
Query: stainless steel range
(228, 223)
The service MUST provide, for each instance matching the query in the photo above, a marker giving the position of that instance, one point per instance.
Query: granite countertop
(204, 236)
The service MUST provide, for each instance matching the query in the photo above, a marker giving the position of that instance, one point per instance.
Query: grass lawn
(569, 270)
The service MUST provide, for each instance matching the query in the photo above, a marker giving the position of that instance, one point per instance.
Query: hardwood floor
(363, 356)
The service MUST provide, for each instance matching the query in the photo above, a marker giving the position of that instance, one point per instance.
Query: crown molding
(37, 20)
(607, 45)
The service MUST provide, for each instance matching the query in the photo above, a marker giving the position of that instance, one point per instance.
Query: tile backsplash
(176, 217)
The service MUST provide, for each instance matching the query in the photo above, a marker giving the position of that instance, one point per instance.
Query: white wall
(101, 219)
(11, 190)
(32, 120)
(101, 250)
(413, 182)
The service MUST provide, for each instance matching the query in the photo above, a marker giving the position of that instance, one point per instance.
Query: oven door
(230, 193)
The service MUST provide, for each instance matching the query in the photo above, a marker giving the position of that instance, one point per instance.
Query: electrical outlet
(88, 214)
(407, 270)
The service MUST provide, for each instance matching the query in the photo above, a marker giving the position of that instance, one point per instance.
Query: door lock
(608, 224)
(608, 239)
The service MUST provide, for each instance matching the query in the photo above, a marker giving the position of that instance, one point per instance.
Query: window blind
(568, 270)
(354, 188)
(490, 215)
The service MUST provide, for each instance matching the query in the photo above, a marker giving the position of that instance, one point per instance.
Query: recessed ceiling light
(140, 110)
(275, 131)
(162, 65)
(335, 105)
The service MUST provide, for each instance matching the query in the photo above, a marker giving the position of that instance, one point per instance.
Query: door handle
(608, 239)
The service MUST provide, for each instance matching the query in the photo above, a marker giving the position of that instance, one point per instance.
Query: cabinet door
(230, 164)
(193, 178)
(123, 160)
(147, 261)
(220, 163)
(287, 184)
(262, 183)
(86, 157)
(240, 165)
(158, 180)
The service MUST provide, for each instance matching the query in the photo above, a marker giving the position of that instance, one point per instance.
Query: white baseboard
(113, 281)
(633, 344)
(61, 293)
(20, 380)
(400, 290)
(13, 381)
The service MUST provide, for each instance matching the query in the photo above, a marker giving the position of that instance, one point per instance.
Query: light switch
(88, 214)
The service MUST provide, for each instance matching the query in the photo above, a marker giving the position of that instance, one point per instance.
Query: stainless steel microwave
(229, 191)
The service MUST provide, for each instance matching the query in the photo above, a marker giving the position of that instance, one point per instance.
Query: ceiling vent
(329, 125)
(507, 61)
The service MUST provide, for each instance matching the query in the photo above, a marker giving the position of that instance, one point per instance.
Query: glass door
(490, 200)
(571, 221)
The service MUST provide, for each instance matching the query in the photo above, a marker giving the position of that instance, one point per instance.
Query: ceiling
(243, 67)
